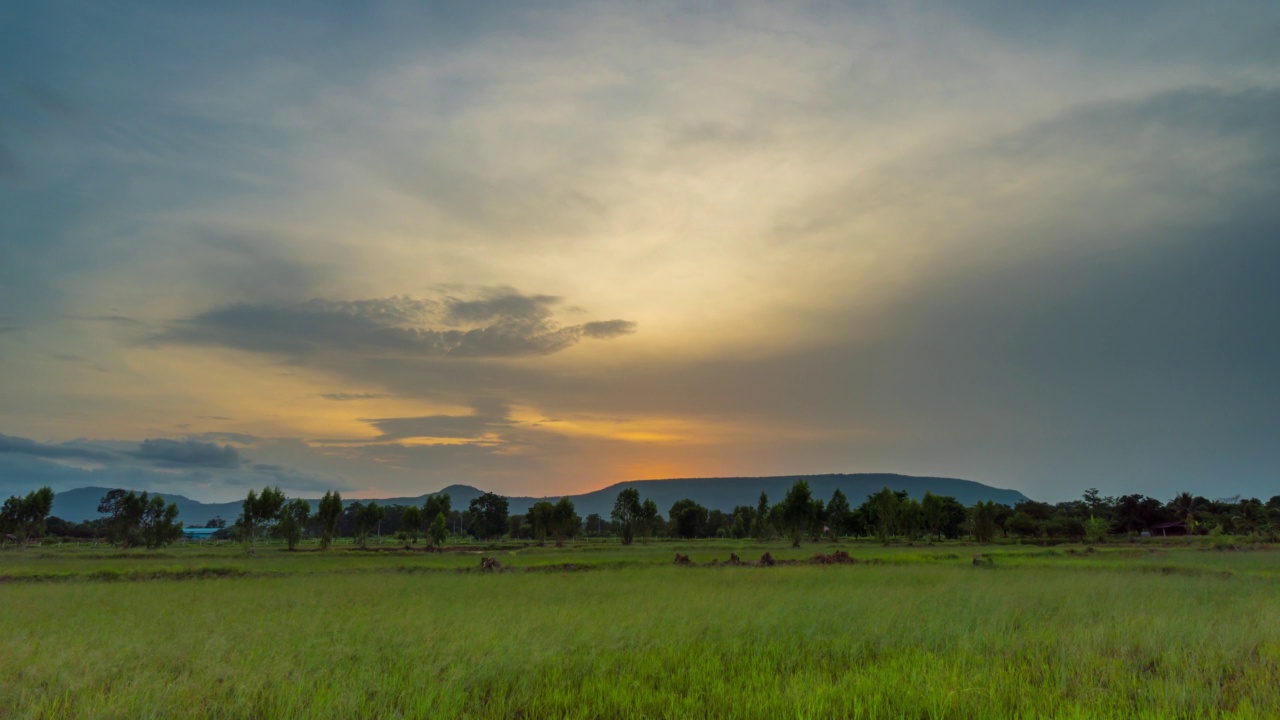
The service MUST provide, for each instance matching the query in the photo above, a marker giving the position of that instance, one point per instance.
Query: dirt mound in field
(488, 564)
(733, 559)
(839, 557)
(682, 559)
(981, 560)
(767, 560)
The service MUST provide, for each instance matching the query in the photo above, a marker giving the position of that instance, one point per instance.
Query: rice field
(598, 630)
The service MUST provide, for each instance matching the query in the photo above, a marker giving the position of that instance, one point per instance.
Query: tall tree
(540, 518)
(649, 517)
(489, 515)
(159, 525)
(437, 504)
(761, 528)
(887, 505)
(688, 518)
(838, 513)
(565, 522)
(627, 512)
(25, 516)
(293, 519)
(367, 518)
(797, 510)
(984, 521)
(438, 531)
(260, 510)
(411, 523)
(329, 513)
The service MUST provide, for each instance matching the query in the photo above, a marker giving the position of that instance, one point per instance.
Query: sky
(540, 248)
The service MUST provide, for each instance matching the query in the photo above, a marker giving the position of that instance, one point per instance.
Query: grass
(918, 633)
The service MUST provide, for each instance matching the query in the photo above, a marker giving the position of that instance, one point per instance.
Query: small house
(199, 533)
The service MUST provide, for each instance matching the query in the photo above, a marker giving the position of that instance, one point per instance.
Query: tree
(839, 514)
(688, 518)
(329, 513)
(259, 510)
(1023, 524)
(984, 521)
(139, 519)
(932, 513)
(888, 506)
(25, 516)
(565, 522)
(649, 517)
(817, 519)
(437, 504)
(797, 510)
(438, 531)
(367, 518)
(540, 517)
(489, 515)
(761, 529)
(293, 519)
(159, 525)
(411, 523)
(125, 511)
(627, 513)
(1184, 507)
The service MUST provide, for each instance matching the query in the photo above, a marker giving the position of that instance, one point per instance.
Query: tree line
(143, 520)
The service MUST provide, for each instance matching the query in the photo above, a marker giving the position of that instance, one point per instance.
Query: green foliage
(540, 519)
(259, 511)
(488, 515)
(565, 522)
(139, 519)
(293, 520)
(439, 531)
(329, 513)
(159, 525)
(25, 517)
(984, 521)
(688, 518)
(760, 530)
(627, 513)
(438, 504)
(798, 510)
(367, 518)
(411, 523)
(649, 517)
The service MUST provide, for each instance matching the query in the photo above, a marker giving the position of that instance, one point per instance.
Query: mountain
(712, 493)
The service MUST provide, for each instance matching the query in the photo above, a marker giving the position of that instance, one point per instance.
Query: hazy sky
(543, 247)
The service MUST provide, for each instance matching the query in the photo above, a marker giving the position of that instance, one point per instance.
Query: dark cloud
(181, 453)
(68, 451)
(507, 307)
(510, 325)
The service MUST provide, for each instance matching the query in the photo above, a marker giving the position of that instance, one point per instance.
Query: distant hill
(712, 493)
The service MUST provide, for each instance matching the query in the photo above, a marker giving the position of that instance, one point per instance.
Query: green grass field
(596, 630)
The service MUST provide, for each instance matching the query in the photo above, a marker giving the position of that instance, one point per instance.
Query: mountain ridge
(715, 493)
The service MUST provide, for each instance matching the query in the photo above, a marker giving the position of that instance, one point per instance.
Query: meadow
(598, 630)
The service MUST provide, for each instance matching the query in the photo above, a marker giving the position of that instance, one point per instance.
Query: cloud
(608, 329)
(179, 453)
(507, 325)
(68, 451)
(350, 396)
(438, 426)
